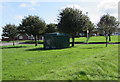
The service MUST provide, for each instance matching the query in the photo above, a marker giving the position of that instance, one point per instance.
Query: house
(24, 37)
(6, 39)
(117, 32)
(20, 36)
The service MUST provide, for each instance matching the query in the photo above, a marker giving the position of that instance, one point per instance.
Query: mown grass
(97, 39)
(83, 39)
(82, 62)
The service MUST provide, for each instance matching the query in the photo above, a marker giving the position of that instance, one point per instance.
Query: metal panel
(56, 40)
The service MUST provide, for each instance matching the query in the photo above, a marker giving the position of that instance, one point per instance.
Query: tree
(88, 27)
(10, 31)
(33, 25)
(51, 28)
(70, 21)
(107, 25)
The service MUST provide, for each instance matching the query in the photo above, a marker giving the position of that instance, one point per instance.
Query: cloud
(46, 0)
(19, 17)
(105, 6)
(1, 6)
(93, 16)
(33, 2)
(94, 13)
(108, 6)
(23, 5)
(32, 9)
(49, 0)
(30, 3)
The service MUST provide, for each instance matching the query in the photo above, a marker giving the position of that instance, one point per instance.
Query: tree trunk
(109, 38)
(73, 41)
(35, 40)
(87, 39)
(106, 40)
(13, 42)
(38, 38)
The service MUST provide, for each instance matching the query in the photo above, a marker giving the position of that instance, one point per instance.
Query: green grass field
(82, 62)
(83, 39)
(97, 39)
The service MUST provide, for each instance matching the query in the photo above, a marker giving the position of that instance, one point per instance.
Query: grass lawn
(82, 62)
(97, 39)
(83, 39)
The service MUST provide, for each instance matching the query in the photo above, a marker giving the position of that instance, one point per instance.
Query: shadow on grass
(43, 49)
(82, 73)
(96, 42)
(13, 47)
(30, 42)
(104, 43)
(93, 48)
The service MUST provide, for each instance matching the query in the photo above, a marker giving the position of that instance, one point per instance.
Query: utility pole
(87, 35)
(87, 31)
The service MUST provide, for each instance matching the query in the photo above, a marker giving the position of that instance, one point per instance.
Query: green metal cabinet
(56, 40)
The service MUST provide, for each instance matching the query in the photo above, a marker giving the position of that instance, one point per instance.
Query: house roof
(22, 34)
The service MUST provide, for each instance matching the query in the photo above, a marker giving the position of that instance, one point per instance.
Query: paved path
(5, 44)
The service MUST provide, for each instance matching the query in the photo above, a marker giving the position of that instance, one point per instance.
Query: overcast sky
(13, 11)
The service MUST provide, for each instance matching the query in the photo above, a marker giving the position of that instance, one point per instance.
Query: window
(20, 37)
